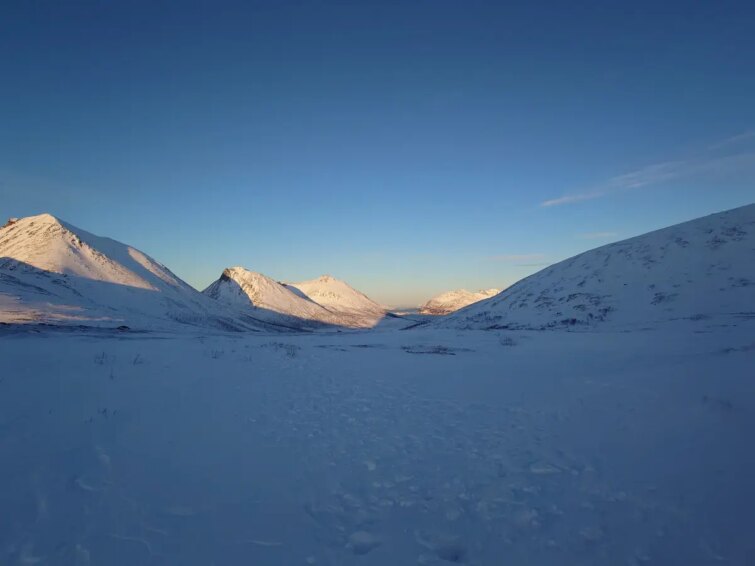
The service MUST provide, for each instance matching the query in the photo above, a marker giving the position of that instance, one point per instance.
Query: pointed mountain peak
(240, 274)
(38, 219)
(46, 218)
(234, 272)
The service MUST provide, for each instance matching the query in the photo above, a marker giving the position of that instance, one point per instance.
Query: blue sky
(406, 147)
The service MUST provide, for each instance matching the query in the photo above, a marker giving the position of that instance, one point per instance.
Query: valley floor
(382, 447)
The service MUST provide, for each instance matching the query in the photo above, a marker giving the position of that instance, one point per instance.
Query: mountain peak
(272, 300)
(47, 243)
(338, 296)
(45, 217)
(38, 219)
(451, 301)
(236, 272)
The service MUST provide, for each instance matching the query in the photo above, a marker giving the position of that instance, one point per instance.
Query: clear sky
(406, 147)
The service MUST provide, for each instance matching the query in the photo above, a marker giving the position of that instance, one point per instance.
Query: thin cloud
(517, 257)
(732, 140)
(596, 235)
(706, 162)
(568, 199)
(650, 175)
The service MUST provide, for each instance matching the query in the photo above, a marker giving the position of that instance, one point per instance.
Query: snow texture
(418, 447)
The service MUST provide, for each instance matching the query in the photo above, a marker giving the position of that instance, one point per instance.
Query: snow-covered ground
(424, 446)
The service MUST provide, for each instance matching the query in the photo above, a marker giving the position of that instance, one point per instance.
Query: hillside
(352, 307)
(695, 270)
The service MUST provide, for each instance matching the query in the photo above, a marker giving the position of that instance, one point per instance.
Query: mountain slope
(268, 298)
(352, 307)
(53, 272)
(694, 270)
(452, 301)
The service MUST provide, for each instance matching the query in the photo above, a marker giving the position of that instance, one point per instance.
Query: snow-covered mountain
(268, 299)
(352, 307)
(452, 301)
(53, 272)
(695, 270)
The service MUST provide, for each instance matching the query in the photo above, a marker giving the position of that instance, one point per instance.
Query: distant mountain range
(52, 272)
(452, 301)
(55, 273)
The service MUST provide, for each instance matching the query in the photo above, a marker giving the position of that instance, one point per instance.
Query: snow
(353, 307)
(499, 434)
(452, 301)
(53, 272)
(417, 447)
(244, 289)
(52, 245)
(699, 269)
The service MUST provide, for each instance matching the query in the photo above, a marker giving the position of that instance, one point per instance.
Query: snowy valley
(597, 412)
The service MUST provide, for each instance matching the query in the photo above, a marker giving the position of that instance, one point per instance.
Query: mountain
(268, 298)
(53, 272)
(451, 301)
(352, 307)
(697, 270)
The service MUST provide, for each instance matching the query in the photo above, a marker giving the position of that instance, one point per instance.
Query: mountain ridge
(53, 272)
(268, 298)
